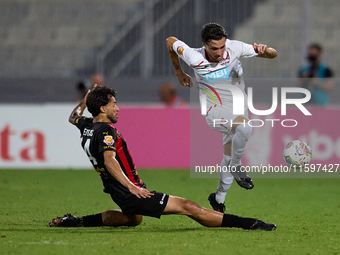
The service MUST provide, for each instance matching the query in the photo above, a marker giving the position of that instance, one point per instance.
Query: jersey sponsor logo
(162, 200)
(180, 50)
(220, 74)
(108, 140)
(88, 132)
(109, 147)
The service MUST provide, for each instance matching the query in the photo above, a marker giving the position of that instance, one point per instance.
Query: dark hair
(98, 97)
(316, 46)
(213, 31)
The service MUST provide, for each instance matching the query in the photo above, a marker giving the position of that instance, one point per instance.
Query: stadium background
(48, 46)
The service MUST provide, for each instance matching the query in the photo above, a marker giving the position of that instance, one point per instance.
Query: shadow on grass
(96, 230)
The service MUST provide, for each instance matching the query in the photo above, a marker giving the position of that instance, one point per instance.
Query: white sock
(226, 179)
(238, 144)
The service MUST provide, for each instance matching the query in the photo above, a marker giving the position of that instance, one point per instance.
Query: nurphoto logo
(239, 102)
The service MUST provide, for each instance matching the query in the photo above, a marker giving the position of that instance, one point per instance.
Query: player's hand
(260, 48)
(185, 80)
(140, 192)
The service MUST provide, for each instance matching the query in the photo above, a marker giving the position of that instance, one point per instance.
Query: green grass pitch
(306, 212)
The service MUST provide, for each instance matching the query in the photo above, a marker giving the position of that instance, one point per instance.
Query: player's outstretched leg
(113, 218)
(210, 218)
(239, 140)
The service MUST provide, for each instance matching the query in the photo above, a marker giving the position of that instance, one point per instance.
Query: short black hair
(213, 31)
(316, 46)
(98, 97)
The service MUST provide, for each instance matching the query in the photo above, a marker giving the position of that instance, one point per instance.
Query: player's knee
(115, 218)
(244, 131)
(135, 220)
(190, 208)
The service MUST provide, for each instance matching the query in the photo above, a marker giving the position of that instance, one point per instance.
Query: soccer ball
(297, 153)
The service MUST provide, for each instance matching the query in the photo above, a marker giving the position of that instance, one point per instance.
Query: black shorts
(132, 205)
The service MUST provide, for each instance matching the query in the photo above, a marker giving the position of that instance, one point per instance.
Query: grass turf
(306, 212)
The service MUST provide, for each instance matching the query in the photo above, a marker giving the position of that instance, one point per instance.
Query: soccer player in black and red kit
(107, 150)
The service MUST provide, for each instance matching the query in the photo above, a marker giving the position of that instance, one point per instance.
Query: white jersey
(214, 74)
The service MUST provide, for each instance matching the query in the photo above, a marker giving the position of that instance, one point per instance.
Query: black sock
(94, 220)
(233, 221)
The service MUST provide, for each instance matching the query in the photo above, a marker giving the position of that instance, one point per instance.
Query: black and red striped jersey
(99, 137)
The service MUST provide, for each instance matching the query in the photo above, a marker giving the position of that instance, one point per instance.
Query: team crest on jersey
(108, 140)
(180, 50)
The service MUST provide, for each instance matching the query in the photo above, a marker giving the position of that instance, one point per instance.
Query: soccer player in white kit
(217, 64)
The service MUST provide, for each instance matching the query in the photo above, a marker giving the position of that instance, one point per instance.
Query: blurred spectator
(318, 76)
(84, 85)
(168, 95)
(97, 79)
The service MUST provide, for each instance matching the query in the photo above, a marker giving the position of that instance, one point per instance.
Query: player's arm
(264, 51)
(115, 170)
(78, 110)
(182, 77)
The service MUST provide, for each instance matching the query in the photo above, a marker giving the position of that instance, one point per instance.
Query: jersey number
(87, 150)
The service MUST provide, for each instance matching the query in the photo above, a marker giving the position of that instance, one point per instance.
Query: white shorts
(221, 119)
